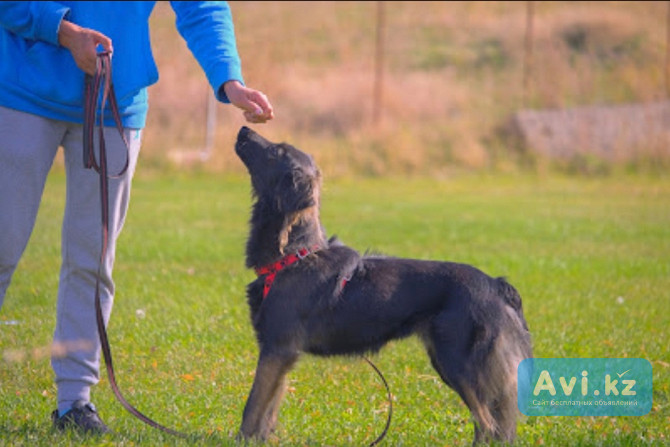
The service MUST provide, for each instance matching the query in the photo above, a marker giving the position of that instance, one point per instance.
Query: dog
(315, 295)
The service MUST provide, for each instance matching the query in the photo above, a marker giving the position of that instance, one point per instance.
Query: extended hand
(256, 106)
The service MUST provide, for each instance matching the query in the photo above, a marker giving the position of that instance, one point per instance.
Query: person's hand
(83, 43)
(256, 106)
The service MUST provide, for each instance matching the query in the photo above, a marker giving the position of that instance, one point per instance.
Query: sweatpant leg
(77, 365)
(28, 145)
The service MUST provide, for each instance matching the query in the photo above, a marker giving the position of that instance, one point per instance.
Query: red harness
(270, 271)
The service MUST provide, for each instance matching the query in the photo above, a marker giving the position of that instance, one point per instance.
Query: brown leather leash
(92, 85)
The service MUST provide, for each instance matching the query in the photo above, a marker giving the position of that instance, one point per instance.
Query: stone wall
(615, 133)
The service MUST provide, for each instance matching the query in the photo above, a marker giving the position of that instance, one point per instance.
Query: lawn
(590, 257)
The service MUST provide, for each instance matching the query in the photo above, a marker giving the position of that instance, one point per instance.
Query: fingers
(257, 118)
(261, 110)
(91, 40)
(256, 109)
(83, 44)
(258, 115)
(87, 61)
(102, 40)
(255, 105)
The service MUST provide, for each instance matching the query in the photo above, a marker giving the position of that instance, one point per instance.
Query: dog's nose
(243, 134)
(248, 136)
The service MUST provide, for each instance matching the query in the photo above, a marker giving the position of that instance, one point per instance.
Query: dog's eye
(281, 151)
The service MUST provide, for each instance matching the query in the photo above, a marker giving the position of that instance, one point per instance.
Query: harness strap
(270, 271)
(103, 78)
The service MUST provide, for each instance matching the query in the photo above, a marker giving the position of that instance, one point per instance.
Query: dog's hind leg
(456, 378)
(447, 341)
(260, 411)
(485, 378)
(508, 351)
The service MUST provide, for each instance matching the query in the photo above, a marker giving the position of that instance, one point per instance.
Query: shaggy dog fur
(329, 300)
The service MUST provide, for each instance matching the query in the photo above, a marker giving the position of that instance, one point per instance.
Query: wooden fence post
(528, 53)
(667, 54)
(378, 88)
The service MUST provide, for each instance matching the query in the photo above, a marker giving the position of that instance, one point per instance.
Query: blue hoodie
(39, 76)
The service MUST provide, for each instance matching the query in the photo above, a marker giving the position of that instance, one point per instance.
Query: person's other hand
(256, 106)
(83, 43)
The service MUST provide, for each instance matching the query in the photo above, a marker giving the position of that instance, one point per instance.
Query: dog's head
(286, 184)
(279, 172)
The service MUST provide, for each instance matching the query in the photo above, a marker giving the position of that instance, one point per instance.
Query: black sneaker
(82, 417)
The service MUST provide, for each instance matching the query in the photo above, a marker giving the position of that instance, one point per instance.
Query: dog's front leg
(273, 409)
(260, 411)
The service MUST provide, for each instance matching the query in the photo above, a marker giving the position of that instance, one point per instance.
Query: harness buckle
(302, 253)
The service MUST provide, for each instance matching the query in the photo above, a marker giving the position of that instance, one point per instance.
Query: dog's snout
(248, 137)
(244, 137)
(243, 134)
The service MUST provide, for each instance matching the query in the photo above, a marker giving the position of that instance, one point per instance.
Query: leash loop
(92, 84)
(103, 79)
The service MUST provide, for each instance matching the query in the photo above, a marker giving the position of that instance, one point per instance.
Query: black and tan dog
(321, 297)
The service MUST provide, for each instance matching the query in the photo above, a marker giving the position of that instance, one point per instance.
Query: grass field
(590, 256)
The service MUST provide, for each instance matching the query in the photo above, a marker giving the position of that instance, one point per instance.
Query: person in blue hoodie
(45, 50)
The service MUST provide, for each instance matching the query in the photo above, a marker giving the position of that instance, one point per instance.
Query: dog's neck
(274, 236)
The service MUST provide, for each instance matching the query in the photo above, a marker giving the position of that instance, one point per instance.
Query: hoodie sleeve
(207, 28)
(33, 20)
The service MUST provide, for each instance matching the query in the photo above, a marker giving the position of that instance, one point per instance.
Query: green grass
(572, 246)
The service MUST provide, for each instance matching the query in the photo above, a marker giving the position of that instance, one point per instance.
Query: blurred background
(429, 88)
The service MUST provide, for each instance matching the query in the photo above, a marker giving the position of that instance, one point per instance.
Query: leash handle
(103, 79)
(92, 85)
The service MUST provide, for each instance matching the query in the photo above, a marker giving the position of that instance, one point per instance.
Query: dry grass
(453, 73)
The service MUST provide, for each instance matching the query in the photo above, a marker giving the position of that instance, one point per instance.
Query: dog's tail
(501, 346)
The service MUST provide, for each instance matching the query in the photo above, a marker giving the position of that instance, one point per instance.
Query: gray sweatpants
(28, 145)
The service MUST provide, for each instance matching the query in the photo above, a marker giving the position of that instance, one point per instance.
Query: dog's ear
(295, 192)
